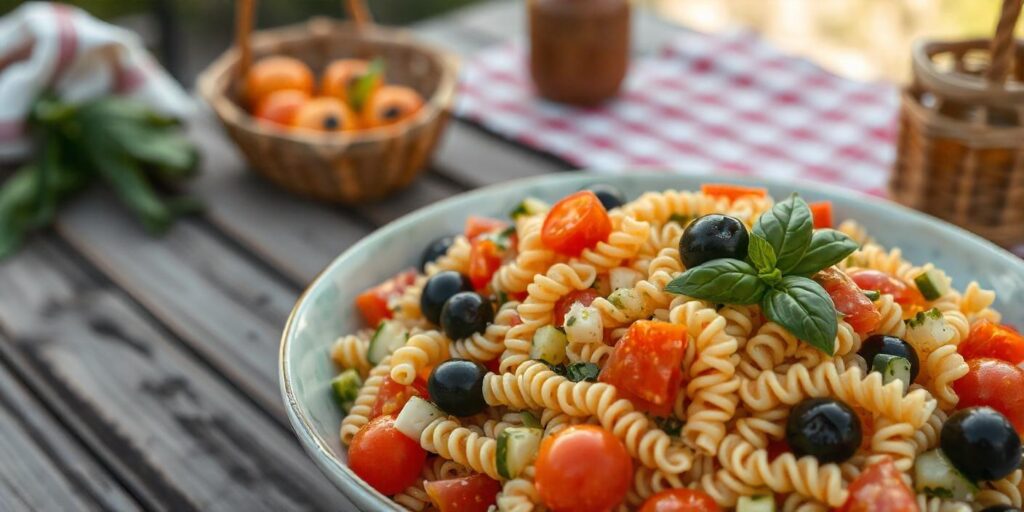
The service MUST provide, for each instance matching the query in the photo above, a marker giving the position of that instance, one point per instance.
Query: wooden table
(141, 373)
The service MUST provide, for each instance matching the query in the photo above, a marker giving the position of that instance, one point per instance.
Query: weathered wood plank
(44, 467)
(151, 409)
(425, 190)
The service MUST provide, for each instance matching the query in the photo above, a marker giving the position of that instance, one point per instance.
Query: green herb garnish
(671, 425)
(872, 295)
(576, 372)
(360, 89)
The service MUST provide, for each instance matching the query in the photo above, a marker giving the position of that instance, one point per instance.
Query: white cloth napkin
(60, 48)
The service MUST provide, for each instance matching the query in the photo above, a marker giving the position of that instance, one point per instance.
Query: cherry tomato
(342, 74)
(821, 212)
(475, 493)
(583, 468)
(325, 114)
(849, 299)
(732, 192)
(392, 396)
(575, 223)
(880, 489)
(647, 361)
(584, 297)
(476, 226)
(373, 303)
(901, 292)
(484, 260)
(279, 107)
(391, 104)
(989, 339)
(276, 74)
(680, 500)
(384, 457)
(994, 383)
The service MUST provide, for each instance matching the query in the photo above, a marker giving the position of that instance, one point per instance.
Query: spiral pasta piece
(533, 258)
(945, 366)
(928, 504)
(359, 414)
(482, 347)
(449, 439)
(519, 494)
(350, 352)
(976, 303)
(624, 242)
(1006, 491)
(659, 207)
(892, 317)
(855, 231)
(456, 258)
(421, 350)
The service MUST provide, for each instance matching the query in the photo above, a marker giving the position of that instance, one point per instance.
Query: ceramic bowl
(325, 310)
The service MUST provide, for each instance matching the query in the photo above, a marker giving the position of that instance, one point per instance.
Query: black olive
(1001, 508)
(457, 387)
(438, 289)
(610, 196)
(464, 314)
(891, 345)
(825, 428)
(981, 443)
(435, 250)
(712, 237)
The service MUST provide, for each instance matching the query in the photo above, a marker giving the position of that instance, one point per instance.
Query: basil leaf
(788, 227)
(579, 372)
(671, 425)
(804, 309)
(725, 281)
(360, 89)
(761, 254)
(827, 248)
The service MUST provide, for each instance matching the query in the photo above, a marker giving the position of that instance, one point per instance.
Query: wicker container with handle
(960, 153)
(344, 167)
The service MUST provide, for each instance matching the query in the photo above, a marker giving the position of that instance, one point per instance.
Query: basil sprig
(784, 250)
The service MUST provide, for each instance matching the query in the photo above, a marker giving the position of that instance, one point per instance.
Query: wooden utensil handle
(357, 11)
(1003, 44)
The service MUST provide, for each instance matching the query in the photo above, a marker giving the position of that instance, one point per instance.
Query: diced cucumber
(517, 447)
(873, 295)
(583, 324)
(623, 277)
(346, 388)
(932, 284)
(549, 345)
(935, 475)
(529, 206)
(758, 503)
(529, 420)
(892, 368)
(928, 330)
(415, 416)
(390, 336)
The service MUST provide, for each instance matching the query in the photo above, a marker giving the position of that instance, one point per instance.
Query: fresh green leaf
(771, 278)
(360, 89)
(529, 420)
(671, 425)
(579, 372)
(804, 309)
(725, 280)
(827, 248)
(872, 295)
(788, 227)
(761, 254)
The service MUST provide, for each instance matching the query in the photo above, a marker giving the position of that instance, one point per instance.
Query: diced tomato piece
(821, 212)
(732, 192)
(585, 297)
(849, 299)
(474, 493)
(880, 489)
(583, 468)
(484, 260)
(575, 223)
(777, 447)
(903, 293)
(494, 365)
(647, 361)
(385, 458)
(995, 383)
(373, 303)
(680, 500)
(392, 396)
(476, 226)
(988, 339)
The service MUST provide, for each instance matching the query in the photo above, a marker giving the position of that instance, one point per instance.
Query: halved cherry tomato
(995, 383)
(646, 361)
(988, 339)
(484, 260)
(821, 212)
(732, 192)
(373, 303)
(392, 396)
(474, 493)
(583, 468)
(902, 293)
(385, 458)
(680, 500)
(584, 297)
(575, 223)
(476, 226)
(849, 299)
(880, 489)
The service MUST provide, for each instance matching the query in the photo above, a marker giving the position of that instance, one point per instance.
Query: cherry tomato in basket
(988, 339)
(474, 493)
(325, 114)
(585, 297)
(575, 223)
(849, 299)
(680, 500)
(583, 468)
(275, 74)
(647, 361)
(391, 104)
(385, 458)
(996, 384)
(373, 303)
(880, 489)
(340, 75)
(280, 107)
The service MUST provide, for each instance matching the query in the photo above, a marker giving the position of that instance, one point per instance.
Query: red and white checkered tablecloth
(706, 102)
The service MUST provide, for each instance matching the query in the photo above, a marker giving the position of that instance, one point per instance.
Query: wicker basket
(960, 153)
(344, 167)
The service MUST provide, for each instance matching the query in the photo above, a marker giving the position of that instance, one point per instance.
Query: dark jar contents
(579, 49)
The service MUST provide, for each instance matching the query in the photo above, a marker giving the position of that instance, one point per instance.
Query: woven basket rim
(961, 85)
(213, 82)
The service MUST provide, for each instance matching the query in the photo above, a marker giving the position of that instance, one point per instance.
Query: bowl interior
(325, 311)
